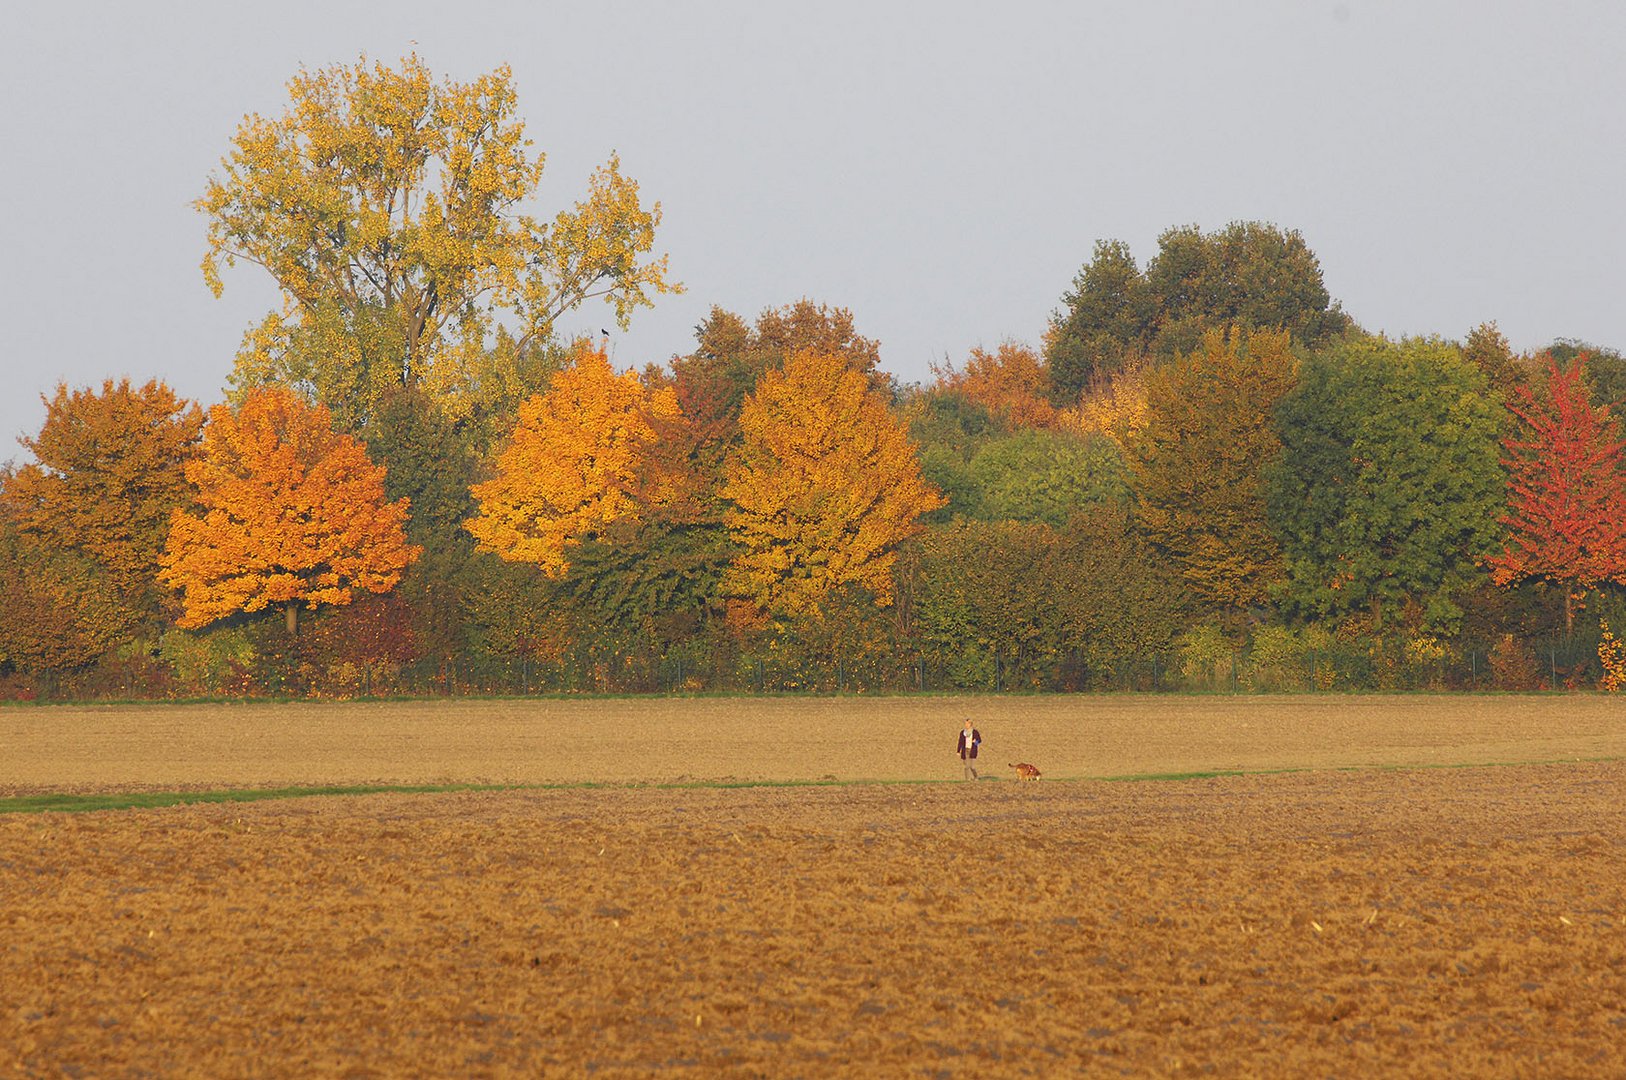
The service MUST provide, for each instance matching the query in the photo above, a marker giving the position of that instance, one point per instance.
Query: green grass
(148, 800)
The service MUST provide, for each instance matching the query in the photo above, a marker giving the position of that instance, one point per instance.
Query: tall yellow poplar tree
(824, 489)
(575, 464)
(289, 512)
(388, 209)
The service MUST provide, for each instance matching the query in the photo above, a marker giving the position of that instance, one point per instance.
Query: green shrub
(203, 663)
(1207, 658)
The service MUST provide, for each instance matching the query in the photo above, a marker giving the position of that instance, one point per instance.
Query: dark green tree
(948, 428)
(1388, 492)
(427, 459)
(1119, 603)
(987, 609)
(1107, 320)
(1030, 605)
(1605, 370)
(1249, 274)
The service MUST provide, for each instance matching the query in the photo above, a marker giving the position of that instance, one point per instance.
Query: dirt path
(1461, 922)
(86, 748)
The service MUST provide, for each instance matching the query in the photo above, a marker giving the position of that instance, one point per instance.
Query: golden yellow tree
(289, 512)
(575, 464)
(1113, 405)
(824, 489)
(388, 209)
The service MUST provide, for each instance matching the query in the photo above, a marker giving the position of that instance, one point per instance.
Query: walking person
(970, 739)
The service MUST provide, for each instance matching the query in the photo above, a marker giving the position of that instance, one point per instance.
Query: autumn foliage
(390, 208)
(288, 512)
(1113, 405)
(1209, 472)
(1566, 488)
(1199, 460)
(576, 464)
(109, 472)
(825, 488)
(1612, 656)
(56, 610)
(1011, 383)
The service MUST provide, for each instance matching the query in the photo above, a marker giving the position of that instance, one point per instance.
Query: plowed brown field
(1426, 922)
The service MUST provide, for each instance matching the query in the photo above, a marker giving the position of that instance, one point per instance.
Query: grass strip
(148, 800)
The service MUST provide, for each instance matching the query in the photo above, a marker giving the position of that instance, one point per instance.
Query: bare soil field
(1332, 921)
(98, 748)
(1429, 922)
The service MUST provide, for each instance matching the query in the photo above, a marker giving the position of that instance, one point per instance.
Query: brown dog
(1024, 771)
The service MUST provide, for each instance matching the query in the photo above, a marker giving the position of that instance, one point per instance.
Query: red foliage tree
(1566, 489)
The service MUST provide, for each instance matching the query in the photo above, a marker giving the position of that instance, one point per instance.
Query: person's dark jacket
(968, 747)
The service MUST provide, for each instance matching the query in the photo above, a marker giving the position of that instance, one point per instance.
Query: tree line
(1206, 475)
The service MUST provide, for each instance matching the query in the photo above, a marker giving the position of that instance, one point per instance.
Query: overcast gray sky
(942, 169)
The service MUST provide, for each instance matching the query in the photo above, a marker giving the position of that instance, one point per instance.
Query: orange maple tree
(576, 463)
(824, 489)
(291, 513)
(110, 469)
(1011, 383)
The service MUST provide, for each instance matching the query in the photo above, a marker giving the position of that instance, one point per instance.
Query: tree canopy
(109, 469)
(1199, 463)
(1566, 488)
(1249, 275)
(574, 465)
(825, 487)
(1388, 491)
(392, 211)
(288, 512)
(1206, 477)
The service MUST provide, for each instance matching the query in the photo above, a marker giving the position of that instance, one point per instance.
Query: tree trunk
(292, 614)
